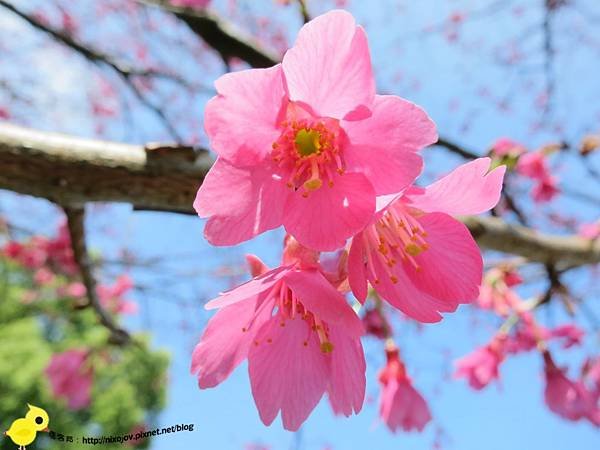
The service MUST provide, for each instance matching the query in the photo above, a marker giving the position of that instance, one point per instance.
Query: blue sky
(461, 85)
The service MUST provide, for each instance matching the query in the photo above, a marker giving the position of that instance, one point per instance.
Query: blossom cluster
(54, 268)
(310, 146)
(532, 165)
(572, 399)
(56, 276)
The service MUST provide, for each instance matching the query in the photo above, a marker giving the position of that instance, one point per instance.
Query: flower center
(308, 153)
(289, 307)
(397, 236)
(307, 142)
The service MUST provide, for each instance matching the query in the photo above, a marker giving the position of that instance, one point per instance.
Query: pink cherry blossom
(43, 276)
(307, 143)
(71, 377)
(299, 335)
(533, 165)
(111, 297)
(591, 373)
(567, 398)
(60, 251)
(12, 249)
(480, 367)
(55, 253)
(528, 334)
(401, 405)
(75, 289)
(376, 324)
(410, 252)
(570, 334)
(545, 189)
(507, 147)
(590, 230)
(496, 293)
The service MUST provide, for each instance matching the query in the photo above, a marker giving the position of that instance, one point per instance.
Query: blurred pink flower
(480, 367)
(570, 334)
(533, 165)
(567, 398)
(307, 143)
(376, 324)
(495, 292)
(590, 230)
(401, 405)
(4, 113)
(55, 253)
(299, 335)
(528, 334)
(60, 251)
(505, 146)
(12, 249)
(410, 252)
(545, 190)
(75, 289)
(71, 377)
(111, 297)
(43, 276)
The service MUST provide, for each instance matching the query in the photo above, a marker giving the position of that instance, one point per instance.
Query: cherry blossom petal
(403, 407)
(348, 381)
(241, 121)
(322, 299)
(285, 374)
(451, 268)
(249, 289)
(330, 215)
(256, 265)
(329, 67)
(255, 206)
(405, 296)
(468, 189)
(383, 146)
(224, 343)
(357, 274)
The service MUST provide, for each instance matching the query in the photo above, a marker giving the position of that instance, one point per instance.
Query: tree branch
(567, 251)
(75, 222)
(72, 171)
(457, 149)
(220, 35)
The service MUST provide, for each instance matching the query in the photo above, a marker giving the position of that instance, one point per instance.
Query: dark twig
(304, 11)
(457, 149)
(549, 8)
(75, 221)
(220, 35)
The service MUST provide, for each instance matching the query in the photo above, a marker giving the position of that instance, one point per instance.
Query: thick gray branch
(566, 251)
(72, 171)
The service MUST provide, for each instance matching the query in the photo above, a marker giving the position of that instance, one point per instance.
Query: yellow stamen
(413, 249)
(326, 347)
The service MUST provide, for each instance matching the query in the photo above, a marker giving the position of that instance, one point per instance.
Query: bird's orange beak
(46, 429)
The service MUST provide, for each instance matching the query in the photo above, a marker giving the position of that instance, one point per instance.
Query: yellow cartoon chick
(23, 431)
